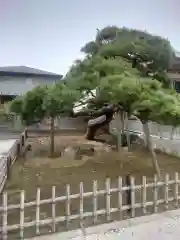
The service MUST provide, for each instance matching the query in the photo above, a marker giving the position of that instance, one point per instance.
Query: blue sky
(48, 34)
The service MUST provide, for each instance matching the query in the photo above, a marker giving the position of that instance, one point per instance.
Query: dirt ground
(37, 170)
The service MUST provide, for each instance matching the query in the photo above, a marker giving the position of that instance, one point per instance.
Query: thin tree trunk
(172, 133)
(127, 132)
(124, 121)
(52, 137)
(122, 114)
(119, 130)
(149, 145)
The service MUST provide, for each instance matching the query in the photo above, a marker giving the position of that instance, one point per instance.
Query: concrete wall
(72, 123)
(65, 123)
(164, 138)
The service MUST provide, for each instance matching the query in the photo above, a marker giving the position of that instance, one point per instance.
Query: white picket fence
(143, 203)
(12, 149)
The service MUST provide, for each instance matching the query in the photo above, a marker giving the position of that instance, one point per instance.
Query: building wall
(177, 86)
(20, 85)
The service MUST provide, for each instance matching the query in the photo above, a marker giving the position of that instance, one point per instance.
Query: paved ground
(157, 226)
(6, 145)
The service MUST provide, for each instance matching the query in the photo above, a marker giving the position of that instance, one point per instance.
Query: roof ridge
(28, 70)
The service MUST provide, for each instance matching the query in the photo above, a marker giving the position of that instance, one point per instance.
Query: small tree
(156, 104)
(29, 106)
(44, 102)
(58, 100)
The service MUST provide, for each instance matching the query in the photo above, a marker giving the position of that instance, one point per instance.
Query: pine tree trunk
(149, 145)
(90, 133)
(52, 137)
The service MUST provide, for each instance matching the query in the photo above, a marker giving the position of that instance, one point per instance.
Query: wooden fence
(130, 205)
(8, 158)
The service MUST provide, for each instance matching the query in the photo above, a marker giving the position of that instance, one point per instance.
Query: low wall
(79, 124)
(71, 123)
(163, 131)
(61, 123)
(10, 150)
(165, 138)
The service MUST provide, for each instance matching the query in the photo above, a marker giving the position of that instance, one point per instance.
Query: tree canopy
(45, 101)
(126, 68)
(108, 68)
(115, 41)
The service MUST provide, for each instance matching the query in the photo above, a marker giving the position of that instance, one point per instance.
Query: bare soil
(37, 170)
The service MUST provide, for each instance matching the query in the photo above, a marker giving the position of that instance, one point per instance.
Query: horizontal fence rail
(9, 158)
(164, 192)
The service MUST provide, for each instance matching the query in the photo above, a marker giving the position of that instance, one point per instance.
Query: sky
(48, 34)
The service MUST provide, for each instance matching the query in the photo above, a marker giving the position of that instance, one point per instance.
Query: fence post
(8, 164)
(37, 210)
(155, 194)
(132, 190)
(53, 208)
(108, 203)
(176, 189)
(95, 201)
(144, 194)
(68, 202)
(22, 214)
(120, 203)
(81, 201)
(166, 191)
(128, 192)
(5, 214)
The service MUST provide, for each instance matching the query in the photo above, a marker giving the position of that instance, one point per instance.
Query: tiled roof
(27, 70)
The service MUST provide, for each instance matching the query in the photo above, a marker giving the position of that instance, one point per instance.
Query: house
(17, 80)
(174, 71)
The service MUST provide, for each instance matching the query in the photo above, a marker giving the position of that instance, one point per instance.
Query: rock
(84, 151)
(103, 148)
(86, 158)
(69, 153)
(125, 149)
